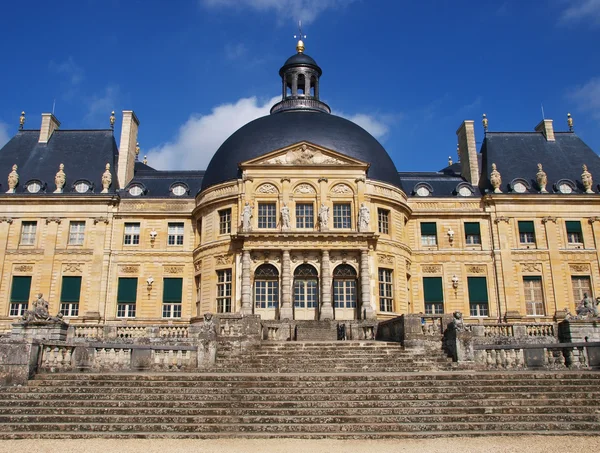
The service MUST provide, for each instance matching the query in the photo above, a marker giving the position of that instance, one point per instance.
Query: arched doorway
(266, 291)
(306, 292)
(344, 292)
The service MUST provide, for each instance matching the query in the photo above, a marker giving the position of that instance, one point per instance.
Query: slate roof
(300, 59)
(84, 153)
(517, 154)
(157, 184)
(283, 129)
(444, 183)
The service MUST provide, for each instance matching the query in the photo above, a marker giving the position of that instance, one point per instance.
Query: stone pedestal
(579, 330)
(40, 330)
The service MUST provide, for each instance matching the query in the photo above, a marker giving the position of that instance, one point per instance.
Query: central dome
(279, 130)
(299, 116)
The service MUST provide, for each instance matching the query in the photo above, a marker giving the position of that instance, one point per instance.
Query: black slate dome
(299, 116)
(279, 130)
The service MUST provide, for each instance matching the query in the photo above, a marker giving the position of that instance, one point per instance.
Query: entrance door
(306, 292)
(344, 292)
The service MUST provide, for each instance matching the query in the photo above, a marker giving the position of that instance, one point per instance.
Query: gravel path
(528, 444)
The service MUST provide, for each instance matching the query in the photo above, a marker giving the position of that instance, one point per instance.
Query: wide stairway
(291, 390)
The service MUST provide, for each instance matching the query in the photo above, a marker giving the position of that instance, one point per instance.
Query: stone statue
(458, 322)
(247, 217)
(39, 312)
(586, 180)
(496, 179)
(13, 180)
(364, 217)
(285, 217)
(106, 179)
(207, 339)
(542, 179)
(587, 308)
(323, 216)
(60, 179)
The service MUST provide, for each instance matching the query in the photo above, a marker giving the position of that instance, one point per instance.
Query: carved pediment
(304, 154)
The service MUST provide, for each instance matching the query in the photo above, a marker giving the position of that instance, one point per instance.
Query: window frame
(69, 306)
(386, 289)
(305, 220)
(383, 221)
(131, 238)
(17, 306)
(172, 306)
(126, 308)
(175, 234)
(224, 221)
(433, 299)
(472, 238)
(532, 305)
(526, 238)
(224, 291)
(267, 215)
(28, 232)
(574, 232)
(428, 239)
(342, 219)
(78, 235)
(478, 308)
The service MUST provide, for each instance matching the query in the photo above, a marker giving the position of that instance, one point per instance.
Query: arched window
(301, 85)
(344, 286)
(306, 287)
(266, 286)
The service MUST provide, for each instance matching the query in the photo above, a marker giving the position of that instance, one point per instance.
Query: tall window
(386, 295)
(172, 294)
(574, 235)
(225, 221)
(175, 233)
(534, 296)
(267, 215)
(19, 295)
(306, 287)
(76, 233)
(28, 230)
(342, 217)
(132, 234)
(526, 232)
(344, 286)
(126, 297)
(478, 296)
(383, 221)
(581, 285)
(434, 295)
(305, 215)
(472, 233)
(70, 293)
(224, 291)
(266, 286)
(428, 234)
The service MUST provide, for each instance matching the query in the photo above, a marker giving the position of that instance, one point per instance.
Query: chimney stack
(546, 128)
(49, 125)
(467, 152)
(129, 132)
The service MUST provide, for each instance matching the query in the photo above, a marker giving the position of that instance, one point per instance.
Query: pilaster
(246, 287)
(326, 307)
(286, 311)
(365, 286)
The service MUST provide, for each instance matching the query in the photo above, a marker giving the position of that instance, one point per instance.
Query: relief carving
(222, 260)
(198, 265)
(129, 269)
(432, 269)
(342, 189)
(580, 268)
(304, 155)
(173, 269)
(531, 267)
(72, 267)
(476, 269)
(386, 259)
(267, 188)
(304, 189)
(23, 268)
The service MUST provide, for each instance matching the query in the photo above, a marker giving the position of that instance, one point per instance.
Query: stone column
(326, 307)
(365, 286)
(294, 84)
(246, 287)
(286, 311)
(307, 84)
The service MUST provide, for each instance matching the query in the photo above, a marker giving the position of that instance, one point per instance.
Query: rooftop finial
(570, 122)
(449, 161)
(458, 151)
(484, 121)
(112, 119)
(137, 150)
(22, 121)
(145, 161)
(300, 37)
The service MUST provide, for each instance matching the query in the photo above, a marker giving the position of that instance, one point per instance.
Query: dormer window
(136, 190)
(82, 186)
(519, 185)
(565, 186)
(179, 189)
(423, 190)
(464, 190)
(34, 186)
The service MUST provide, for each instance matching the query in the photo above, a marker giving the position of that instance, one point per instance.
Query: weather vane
(300, 37)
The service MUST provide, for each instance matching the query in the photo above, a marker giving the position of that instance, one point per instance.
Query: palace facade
(300, 215)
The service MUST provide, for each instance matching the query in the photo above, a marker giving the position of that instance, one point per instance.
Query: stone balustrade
(133, 333)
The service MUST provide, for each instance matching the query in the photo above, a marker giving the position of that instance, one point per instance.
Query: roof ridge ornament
(586, 179)
(300, 37)
(22, 120)
(106, 179)
(60, 179)
(570, 122)
(112, 120)
(495, 179)
(542, 179)
(13, 179)
(484, 121)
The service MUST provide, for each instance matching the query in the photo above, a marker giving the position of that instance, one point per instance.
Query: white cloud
(582, 10)
(4, 136)
(201, 135)
(100, 106)
(304, 10)
(587, 97)
(69, 68)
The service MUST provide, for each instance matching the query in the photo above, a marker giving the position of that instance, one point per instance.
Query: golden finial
(485, 122)
(496, 179)
(137, 150)
(458, 151)
(145, 161)
(22, 121)
(449, 161)
(299, 37)
(112, 119)
(570, 122)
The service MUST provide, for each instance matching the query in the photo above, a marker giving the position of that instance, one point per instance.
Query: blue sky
(196, 70)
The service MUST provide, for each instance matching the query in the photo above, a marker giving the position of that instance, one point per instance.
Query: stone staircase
(330, 356)
(333, 405)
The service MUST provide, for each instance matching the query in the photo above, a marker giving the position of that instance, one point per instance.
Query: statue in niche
(285, 217)
(364, 217)
(39, 312)
(323, 216)
(247, 217)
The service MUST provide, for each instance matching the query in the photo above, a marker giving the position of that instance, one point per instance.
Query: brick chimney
(49, 125)
(129, 132)
(546, 128)
(467, 152)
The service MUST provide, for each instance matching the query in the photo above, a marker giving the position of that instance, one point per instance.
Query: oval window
(136, 191)
(82, 187)
(179, 190)
(34, 187)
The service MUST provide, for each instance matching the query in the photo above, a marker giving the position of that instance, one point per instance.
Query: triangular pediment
(304, 154)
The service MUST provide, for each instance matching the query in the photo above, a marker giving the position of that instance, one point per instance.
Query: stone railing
(133, 333)
(62, 357)
(518, 330)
